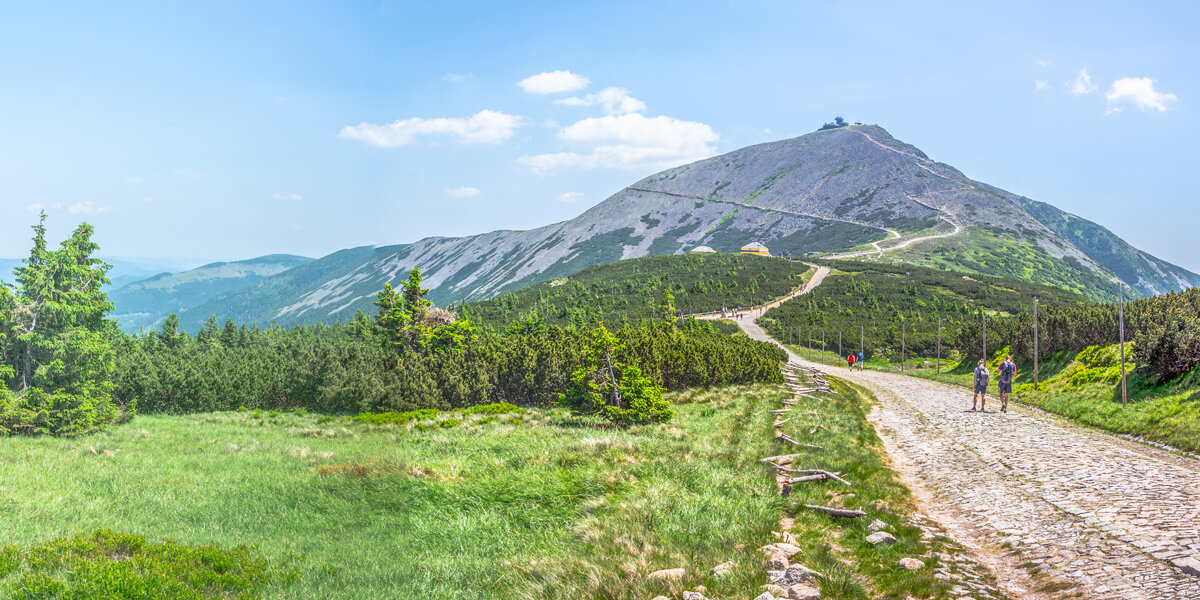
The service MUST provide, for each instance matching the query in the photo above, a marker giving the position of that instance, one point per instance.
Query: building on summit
(756, 249)
(703, 250)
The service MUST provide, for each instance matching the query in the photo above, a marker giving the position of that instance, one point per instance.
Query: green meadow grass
(529, 504)
(533, 505)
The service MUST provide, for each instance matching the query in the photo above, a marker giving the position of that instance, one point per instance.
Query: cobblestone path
(1087, 514)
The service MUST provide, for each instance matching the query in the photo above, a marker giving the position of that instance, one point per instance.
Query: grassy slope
(632, 289)
(551, 507)
(545, 506)
(998, 253)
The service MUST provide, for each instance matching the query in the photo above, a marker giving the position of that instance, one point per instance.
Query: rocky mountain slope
(145, 303)
(854, 190)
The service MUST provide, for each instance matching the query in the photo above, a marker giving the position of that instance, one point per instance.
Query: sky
(220, 130)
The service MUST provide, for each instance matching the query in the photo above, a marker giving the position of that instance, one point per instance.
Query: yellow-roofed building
(756, 249)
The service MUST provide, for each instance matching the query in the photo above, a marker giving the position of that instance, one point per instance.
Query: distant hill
(124, 272)
(143, 304)
(853, 191)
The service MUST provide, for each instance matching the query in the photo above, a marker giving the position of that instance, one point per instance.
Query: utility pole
(984, 337)
(1035, 344)
(903, 349)
(939, 350)
(822, 340)
(1121, 318)
(862, 339)
(840, 345)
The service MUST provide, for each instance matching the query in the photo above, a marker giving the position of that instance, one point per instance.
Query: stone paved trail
(1085, 513)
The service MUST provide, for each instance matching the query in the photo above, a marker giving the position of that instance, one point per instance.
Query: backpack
(1006, 371)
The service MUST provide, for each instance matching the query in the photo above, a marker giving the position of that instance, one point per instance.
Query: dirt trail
(1056, 510)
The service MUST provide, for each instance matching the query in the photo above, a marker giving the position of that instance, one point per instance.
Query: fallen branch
(785, 437)
(778, 423)
(781, 458)
(806, 478)
(814, 429)
(837, 512)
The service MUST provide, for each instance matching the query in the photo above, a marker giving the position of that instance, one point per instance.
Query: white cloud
(1081, 84)
(1040, 85)
(86, 208)
(572, 197)
(1043, 63)
(483, 127)
(614, 100)
(632, 141)
(457, 77)
(462, 192)
(1140, 92)
(35, 207)
(292, 197)
(553, 82)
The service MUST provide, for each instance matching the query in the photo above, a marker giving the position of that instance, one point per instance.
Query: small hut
(703, 250)
(756, 248)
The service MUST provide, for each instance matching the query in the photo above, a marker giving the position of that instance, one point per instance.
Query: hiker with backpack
(981, 383)
(859, 361)
(850, 360)
(1006, 372)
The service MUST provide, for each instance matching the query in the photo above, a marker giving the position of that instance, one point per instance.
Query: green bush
(640, 402)
(37, 412)
(105, 564)
(396, 418)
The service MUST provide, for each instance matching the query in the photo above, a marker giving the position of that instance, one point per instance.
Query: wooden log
(837, 512)
(781, 458)
(827, 474)
(805, 478)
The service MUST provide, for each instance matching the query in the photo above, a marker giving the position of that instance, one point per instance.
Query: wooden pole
(939, 350)
(1121, 318)
(1035, 344)
(840, 345)
(822, 340)
(984, 337)
(903, 349)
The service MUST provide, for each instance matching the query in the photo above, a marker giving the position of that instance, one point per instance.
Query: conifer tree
(169, 334)
(229, 334)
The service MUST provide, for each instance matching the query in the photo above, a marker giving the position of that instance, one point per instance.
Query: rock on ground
(668, 574)
(881, 537)
(803, 592)
(912, 564)
(878, 525)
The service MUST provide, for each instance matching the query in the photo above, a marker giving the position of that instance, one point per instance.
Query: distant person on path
(850, 359)
(981, 382)
(1006, 372)
(859, 361)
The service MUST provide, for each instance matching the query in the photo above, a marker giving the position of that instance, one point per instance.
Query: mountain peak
(853, 191)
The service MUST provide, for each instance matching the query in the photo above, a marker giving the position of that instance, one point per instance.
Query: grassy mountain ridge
(144, 303)
(629, 291)
(822, 193)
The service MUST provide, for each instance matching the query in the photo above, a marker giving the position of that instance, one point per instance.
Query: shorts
(981, 387)
(1005, 387)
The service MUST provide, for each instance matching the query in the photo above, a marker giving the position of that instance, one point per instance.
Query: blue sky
(225, 130)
